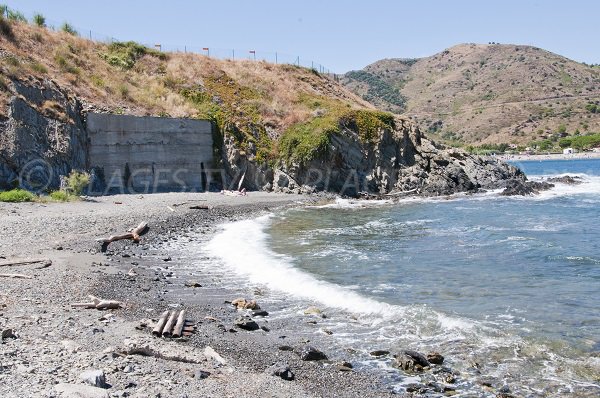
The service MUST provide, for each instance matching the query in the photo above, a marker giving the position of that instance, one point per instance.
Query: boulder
(246, 323)
(569, 180)
(379, 353)
(525, 188)
(435, 358)
(67, 390)
(308, 353)
(94, 377)
(281, 370)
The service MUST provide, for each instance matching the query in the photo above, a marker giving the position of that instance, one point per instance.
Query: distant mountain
(486, 93)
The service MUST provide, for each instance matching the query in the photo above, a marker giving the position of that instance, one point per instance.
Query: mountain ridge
(485, 93)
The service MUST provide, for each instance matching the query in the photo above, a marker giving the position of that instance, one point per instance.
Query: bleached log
(170, 323)
(133, 235)
(157, 331)
(20, 276)
(14, 263)
(178, 329)
(99, 304)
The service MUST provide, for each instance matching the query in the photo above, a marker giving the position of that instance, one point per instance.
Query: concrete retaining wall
(149, 154)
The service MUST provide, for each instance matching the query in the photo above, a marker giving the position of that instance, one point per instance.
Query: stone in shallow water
(435, 358)
(309, 353)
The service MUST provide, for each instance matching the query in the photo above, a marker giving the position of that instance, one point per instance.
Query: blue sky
(341, 35)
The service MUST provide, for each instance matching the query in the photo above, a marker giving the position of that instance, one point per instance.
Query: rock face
(43, 137)
(398, 161)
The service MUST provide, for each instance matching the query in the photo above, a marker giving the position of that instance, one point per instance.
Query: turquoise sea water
(505, 288)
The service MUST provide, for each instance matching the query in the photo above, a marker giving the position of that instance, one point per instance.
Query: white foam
(341, 203)
(242, 247)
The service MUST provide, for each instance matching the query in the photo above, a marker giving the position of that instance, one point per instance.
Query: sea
(507, 289)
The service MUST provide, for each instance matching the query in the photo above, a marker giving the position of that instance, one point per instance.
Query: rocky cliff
(42, 138)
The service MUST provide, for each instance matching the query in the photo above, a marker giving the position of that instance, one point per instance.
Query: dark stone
(192, 284)
(201, 374)
(260, 313)
(286, 348)
(435, 358)
(569, 180)
(419, 358)
(281, 370)
(525, 188)
(246, 324)
(308, 353)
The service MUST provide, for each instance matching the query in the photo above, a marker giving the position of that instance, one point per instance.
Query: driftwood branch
(99, 304)
(21, 276)
(133, 235)
(44, 261)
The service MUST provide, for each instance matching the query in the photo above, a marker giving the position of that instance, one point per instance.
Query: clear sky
(340, 34)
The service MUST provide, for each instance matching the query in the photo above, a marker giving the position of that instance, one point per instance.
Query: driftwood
(199, 207)
(178, 329)
(170, 323)
(157, 331)
(99, 304)
(21, 276)
(44, 261)
(133, 235)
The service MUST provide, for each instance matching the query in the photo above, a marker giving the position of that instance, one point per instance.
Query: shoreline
(550, 156)
(75, 340)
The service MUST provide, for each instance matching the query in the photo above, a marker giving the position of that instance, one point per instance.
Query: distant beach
(551, 156)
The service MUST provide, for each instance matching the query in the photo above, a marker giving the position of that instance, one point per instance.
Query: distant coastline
(550, 156)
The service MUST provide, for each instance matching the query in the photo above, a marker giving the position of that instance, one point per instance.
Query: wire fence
(212, 52)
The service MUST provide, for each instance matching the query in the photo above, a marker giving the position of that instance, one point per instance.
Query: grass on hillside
(309, 140)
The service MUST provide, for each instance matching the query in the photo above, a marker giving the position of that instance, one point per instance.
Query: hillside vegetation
(256, 103)
(487, 94)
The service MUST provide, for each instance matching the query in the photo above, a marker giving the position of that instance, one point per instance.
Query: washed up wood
(134, 235)
(99, 304)
(199, 207)
(13, 263)
(16, 276)
(173, 324)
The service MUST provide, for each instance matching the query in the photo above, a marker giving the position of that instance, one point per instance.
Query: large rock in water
(397, 161)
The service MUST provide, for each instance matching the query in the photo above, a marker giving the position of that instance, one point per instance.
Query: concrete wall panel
(147, 154)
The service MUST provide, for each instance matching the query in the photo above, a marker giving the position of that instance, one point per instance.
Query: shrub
(125, 54)
(60, 196)
(39, 20)
(37, 67)
(14, 15)
(68, 28)
(17, 195)
(77, 182)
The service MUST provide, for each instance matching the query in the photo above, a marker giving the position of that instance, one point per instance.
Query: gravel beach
(51, 349)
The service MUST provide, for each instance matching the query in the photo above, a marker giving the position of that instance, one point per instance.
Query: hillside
(492, 93)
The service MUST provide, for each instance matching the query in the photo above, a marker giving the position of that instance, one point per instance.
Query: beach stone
(246, 324)
(379, 353)
(308, 353)
(281, 370)
(94, 378)
(407, 363)
(312, 311)
(201, 374)
(435, 358)
(260, 313)
(418, 357)
(344, 366)
(80, 391)
(192, 284)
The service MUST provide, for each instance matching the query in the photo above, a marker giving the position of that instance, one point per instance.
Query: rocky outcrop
(42, 138)
(399, 161)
